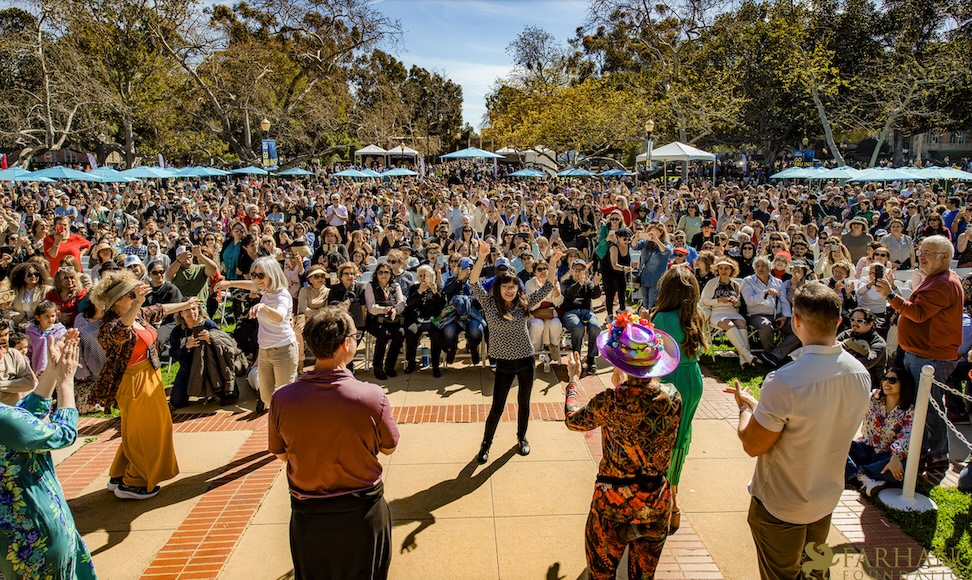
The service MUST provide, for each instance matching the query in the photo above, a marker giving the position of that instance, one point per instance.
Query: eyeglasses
(394, 261)
(615, 219)
(542, 269)
(890, 380)
(313, 276)
(32, 275)
(453, 261)
(157, 272)
(383, 272)
(858, 321)
(920, 253)
(257, 275)
(881, 255)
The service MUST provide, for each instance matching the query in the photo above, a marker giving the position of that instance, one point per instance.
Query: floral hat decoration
(635, 346)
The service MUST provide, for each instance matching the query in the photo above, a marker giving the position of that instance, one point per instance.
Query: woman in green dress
(38, 538)
(677, 312)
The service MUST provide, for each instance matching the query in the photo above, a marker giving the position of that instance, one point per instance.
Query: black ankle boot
(483, 456)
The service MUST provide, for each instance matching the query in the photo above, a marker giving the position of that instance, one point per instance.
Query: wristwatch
(744, 408)
(891, 297)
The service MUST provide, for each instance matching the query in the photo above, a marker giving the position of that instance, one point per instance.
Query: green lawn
(726, 368)
(947, 533)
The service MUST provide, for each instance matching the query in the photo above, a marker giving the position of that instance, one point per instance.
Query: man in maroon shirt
(329, 428)
(930, 332)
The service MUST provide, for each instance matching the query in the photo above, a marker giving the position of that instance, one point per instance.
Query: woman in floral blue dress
(38, 538)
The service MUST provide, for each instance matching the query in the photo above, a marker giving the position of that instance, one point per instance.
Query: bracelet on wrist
(744, 408)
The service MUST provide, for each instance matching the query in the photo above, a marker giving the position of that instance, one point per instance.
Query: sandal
(674, 521)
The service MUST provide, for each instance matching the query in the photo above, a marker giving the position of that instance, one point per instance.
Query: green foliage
(947, 532)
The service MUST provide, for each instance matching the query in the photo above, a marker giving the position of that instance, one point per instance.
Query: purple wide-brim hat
(639, 350)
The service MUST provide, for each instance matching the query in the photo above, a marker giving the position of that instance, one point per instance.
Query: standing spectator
(656, 251)
(930, 332)
(189, 276)
(632, 502)
(856, 240)
(799, 477)
(615, 267)
(328, 428)
(63, 243)
(337, 216)
(278, 359)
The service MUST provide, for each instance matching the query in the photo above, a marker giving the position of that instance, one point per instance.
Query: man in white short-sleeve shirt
(800, 430)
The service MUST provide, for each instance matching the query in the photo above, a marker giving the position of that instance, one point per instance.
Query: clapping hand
(63, 355)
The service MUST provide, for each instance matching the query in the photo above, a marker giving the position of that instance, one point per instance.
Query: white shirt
(816, 403)
(272, 334)
(337, 215)
(757, 302)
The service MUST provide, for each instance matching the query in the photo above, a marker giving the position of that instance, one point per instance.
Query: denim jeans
(864, 459)
(935, 441)
(474, 334)
(649, 294)
(574, 322)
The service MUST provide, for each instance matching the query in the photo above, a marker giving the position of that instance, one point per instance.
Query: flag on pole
(161, 161)
(92, 162)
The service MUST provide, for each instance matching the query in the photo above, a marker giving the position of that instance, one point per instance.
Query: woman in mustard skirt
(131, 380)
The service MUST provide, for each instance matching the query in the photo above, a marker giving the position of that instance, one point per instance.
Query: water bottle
(424, 351)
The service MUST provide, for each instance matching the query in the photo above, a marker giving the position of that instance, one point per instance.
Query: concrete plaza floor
(226, 515)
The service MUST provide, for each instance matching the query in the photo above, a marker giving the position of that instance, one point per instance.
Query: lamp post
(265, 127)
(649, 127)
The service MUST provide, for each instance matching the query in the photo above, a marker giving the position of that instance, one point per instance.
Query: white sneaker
(871, 486)
(113, 483)
(129, 492)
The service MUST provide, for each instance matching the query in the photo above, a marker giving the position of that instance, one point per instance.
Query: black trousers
(615, 284)
(413, 333)
(388, 336)
(523, 370)
(344, 538)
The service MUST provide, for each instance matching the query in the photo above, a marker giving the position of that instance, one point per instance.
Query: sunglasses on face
(32, 275)
(858, 321)
(891, 380)
(258, 275)
(156, 272)
(313, 276)
(881, 255)
(384, 272)
(542, 269)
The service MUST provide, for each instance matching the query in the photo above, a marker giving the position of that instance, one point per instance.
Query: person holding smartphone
(63, 243)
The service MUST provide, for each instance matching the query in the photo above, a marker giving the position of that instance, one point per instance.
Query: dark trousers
(388, 336)
(615, 284)
(521, 369)
(344, 538)
(780, 545)
(412, 334)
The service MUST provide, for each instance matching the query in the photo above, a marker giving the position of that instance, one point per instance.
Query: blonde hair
(110, 282)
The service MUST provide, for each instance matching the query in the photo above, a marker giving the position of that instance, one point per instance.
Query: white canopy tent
(680, 152)
(370, 151)
(402, 151)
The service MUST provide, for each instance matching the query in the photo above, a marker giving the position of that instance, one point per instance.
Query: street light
(649, 127)
(265, 125)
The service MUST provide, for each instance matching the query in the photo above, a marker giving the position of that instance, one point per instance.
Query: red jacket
(931, 319)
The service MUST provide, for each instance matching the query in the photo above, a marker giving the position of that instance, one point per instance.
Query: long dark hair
(497, 292)
(906, 388)
(679, 290)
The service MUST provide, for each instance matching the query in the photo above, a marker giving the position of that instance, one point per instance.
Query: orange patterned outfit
(632, 500)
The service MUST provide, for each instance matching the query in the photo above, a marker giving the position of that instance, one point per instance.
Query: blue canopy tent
(109, 175)
(615, 173)
(201, 172)
(9, 174)
(786, 173)
(61, 172)
(370, 173)
(808, 173)
(882, 174)
(294, 172)
(575, 172)
(399, 172)
(148, 172)
(840, 173)
(472, 153)
(350, 173)
(944, 173)
(528, 172)
(250, 170)
(32, 177)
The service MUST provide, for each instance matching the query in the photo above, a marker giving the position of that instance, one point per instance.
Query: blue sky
(466, 40)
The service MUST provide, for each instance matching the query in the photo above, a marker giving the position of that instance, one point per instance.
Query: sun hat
(105, 246)
(636, 347)
(117, 291)
(858, 220)
(723, 262)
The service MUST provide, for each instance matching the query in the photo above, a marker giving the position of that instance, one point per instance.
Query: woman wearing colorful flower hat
(639, 420)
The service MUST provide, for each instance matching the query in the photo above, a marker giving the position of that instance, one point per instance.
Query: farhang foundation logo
(850, 563)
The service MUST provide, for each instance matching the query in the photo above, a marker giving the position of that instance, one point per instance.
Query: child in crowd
(44, 327)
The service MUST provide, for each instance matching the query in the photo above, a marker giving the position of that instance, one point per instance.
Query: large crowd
(124, 277)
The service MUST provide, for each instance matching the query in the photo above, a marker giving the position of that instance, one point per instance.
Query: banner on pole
(92, 161)
(269, 154)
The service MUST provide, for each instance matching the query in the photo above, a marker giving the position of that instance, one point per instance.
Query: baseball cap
(131, 260)
(465, 264)
(502, 262)
(578, 262)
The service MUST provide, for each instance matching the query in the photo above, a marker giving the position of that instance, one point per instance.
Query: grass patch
(947, 533)
(726, 368)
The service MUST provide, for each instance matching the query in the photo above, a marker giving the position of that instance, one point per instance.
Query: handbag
(545, 313)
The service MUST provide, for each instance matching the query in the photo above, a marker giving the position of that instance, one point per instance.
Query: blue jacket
(653, 262)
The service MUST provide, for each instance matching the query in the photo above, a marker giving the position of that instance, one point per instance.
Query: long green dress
(687, 378)
(38, 538)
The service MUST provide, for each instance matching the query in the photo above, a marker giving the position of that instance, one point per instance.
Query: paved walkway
(226, 515)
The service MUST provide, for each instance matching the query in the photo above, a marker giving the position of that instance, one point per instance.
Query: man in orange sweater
(930, 332)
